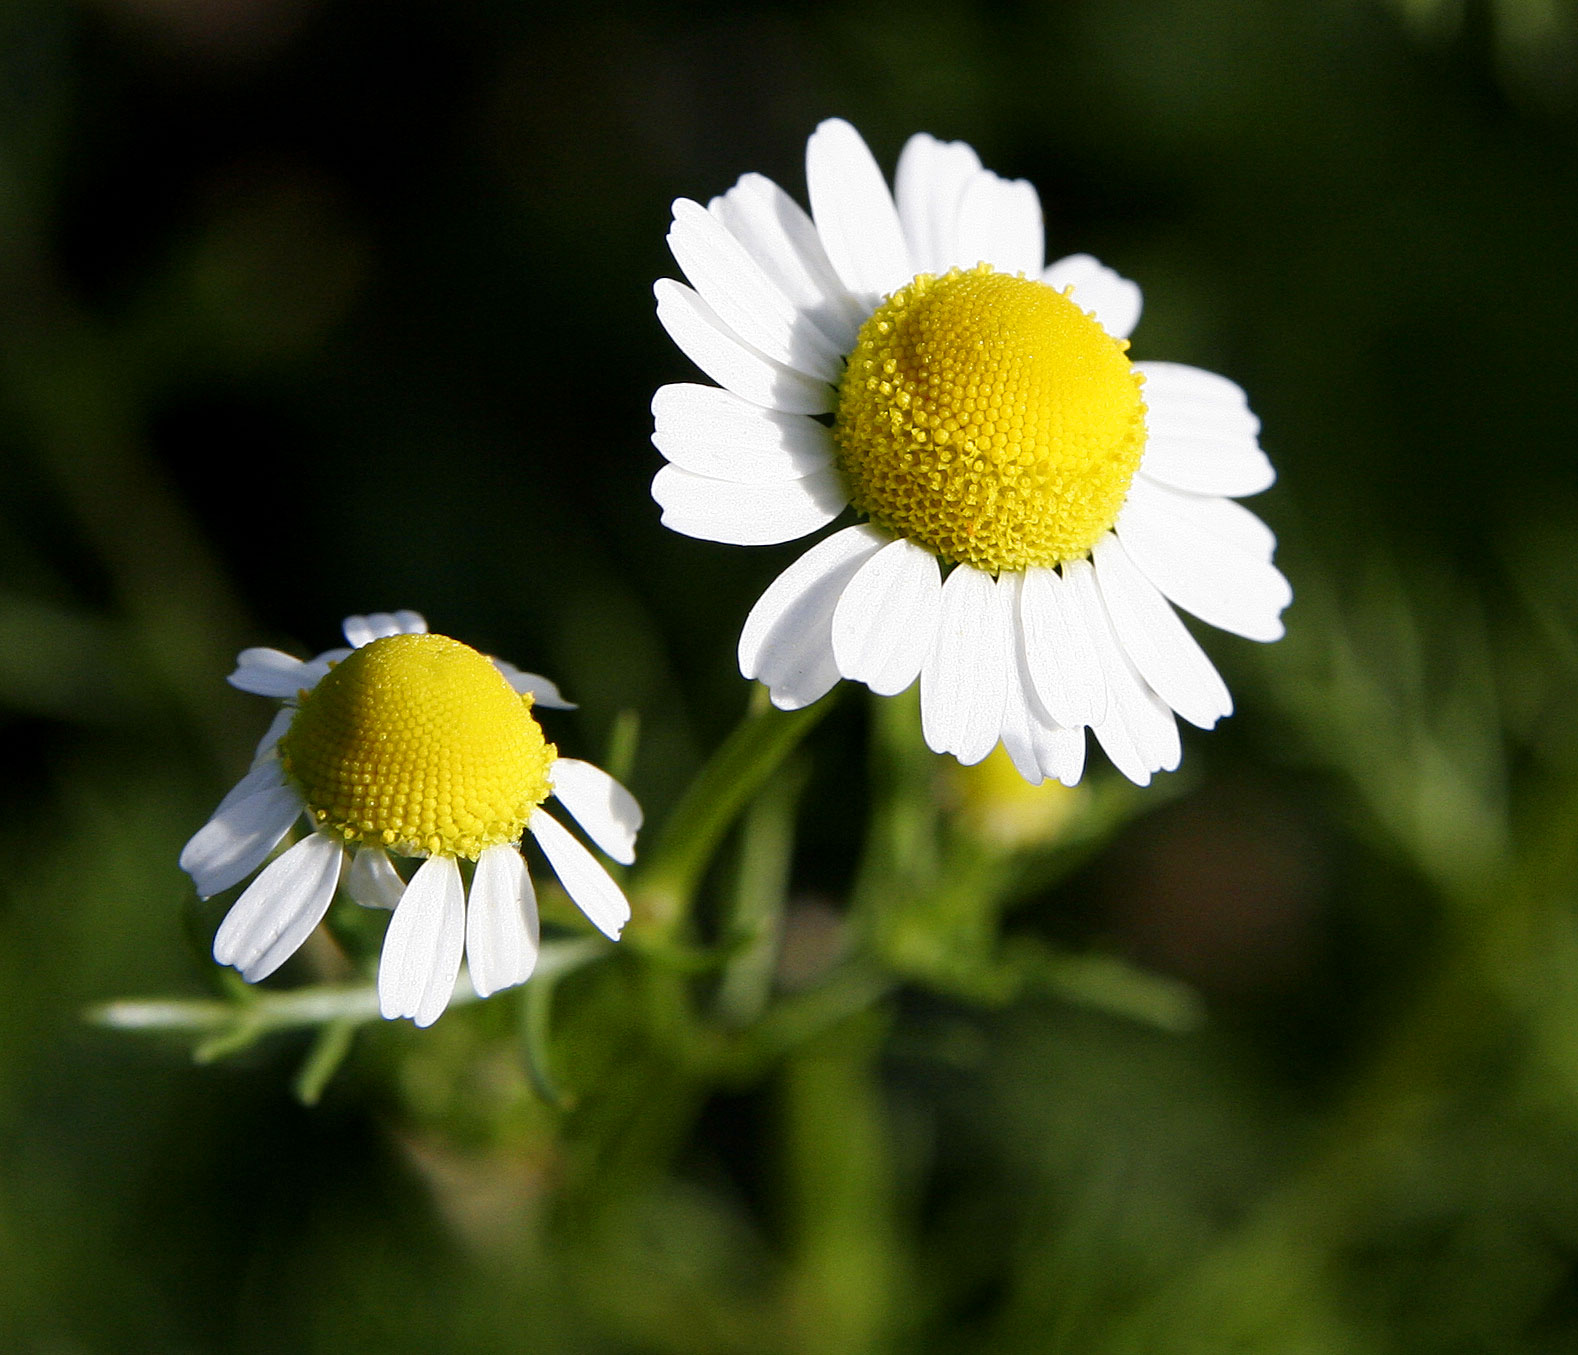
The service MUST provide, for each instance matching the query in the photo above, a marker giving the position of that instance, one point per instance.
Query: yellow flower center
(418, 744)
(990, 419)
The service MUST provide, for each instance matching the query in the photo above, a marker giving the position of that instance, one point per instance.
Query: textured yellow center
(418, 744)
(990, 419)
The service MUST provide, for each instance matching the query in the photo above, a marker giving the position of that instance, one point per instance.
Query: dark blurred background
(310, 307)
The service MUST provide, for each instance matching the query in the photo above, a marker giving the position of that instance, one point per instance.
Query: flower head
(1032, 503)
(407, 745)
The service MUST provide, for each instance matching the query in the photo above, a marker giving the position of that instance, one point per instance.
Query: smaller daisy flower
(412, 745)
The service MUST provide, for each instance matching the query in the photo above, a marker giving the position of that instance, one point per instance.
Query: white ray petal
(741, 294)
(1038, 746)
(710, 431)
(422, 948)
(1195, 550)
(243, 830)
(965, 679)
(362, 630)
(748, 515)
(1000, 224)
(270, 672)
(732, 362)
(1200, 433)
(268, 746)
(606, 811)
(854, 212)
(1179, 382)
(372, 880)
(1138, 733)
(782, 238)
(1153, 637)
(1059, 653)
(886, 617)
(279, 909)
(502, 931)
(787, 639)
(930, 181)
(544, 691)
(589, 886)
(1110, 297)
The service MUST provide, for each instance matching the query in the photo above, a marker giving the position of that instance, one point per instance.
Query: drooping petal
(744, 298)
(712, 432)
(854, 212)
(269, 672)
(268, 745)
(1110, 297)
(589, 886)
(242, 831)
(501, 921)
(422, 948)
(1000, 224)
(1038, 746)
(965, 679)
(544, 691)
(931, 179)
(362, 630)
(762, 514)
(782, 238)
(1200, 552)
(1059, 653)
(279, 909)
(1138, 732)
(372, 880)
(886, 617)
(787, 639)
(732, 362)
(606, 811)
(1153, 637)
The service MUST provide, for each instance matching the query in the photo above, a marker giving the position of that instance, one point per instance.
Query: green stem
(664, 885)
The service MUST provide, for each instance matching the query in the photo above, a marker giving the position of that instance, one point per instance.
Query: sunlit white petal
(243, 830)
(1111, 298)
(1059, 653)
(1000, 224)
(606, 811)
(965, 679)
(363, 630)
(544, 692)
(886, 617)
(372, 880)
(589, 886)
(709, 431)
(760, 514)
(931, 179)
(501, 921)
(279, 909)
(422, 948)
(269, 672)
(854, 212)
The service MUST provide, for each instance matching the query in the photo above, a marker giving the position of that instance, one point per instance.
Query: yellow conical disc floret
(418, 744)
(990, 419)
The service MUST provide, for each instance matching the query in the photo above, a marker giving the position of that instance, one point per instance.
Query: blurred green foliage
(313, 307)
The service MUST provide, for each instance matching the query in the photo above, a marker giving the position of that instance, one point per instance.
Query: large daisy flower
(408, 745)
(1032, 504)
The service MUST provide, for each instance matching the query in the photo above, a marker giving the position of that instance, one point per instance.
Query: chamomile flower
(1032, 505)
(407, 744)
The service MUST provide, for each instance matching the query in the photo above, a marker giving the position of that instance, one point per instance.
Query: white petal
(748, 515)
(787, 639)
(269, 672)
(422, 948)
(854, 212)
(965, 679)
(362, 630)
(1155, 640)
(1000, 224)
(1111, 298)
(268, 745)
(1138, 733)
(782, 238)
(544, 692)
(732, 362)
(886, 617)
(242, 831)
(1059, 653)
(1200, 433)
(501, 922)
(930, 181)
(589, 886)
(1197, 551)
(606, 811)
(1178, 381)
(279, 909)
(711, 432)
(741, 294)
(1038, 746)
(372, 880)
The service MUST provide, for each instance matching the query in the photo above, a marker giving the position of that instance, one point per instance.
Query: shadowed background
(313, 307)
